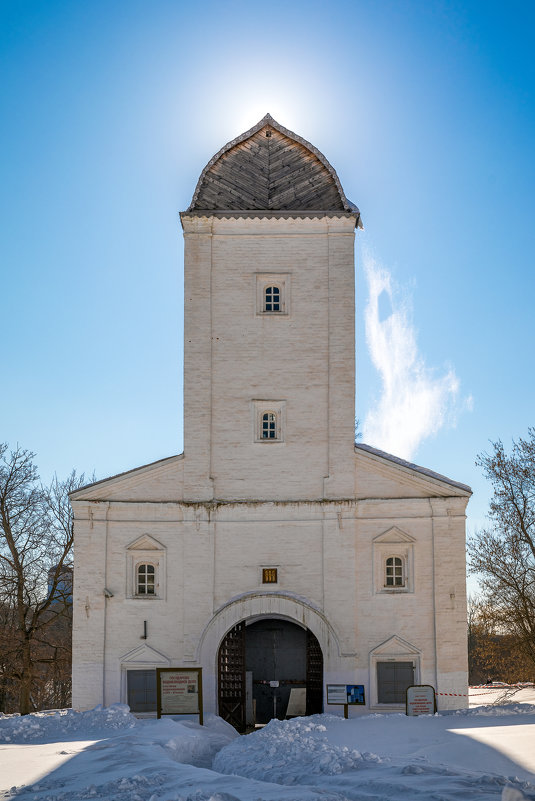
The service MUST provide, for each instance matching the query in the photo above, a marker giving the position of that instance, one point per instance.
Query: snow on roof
(411, 466)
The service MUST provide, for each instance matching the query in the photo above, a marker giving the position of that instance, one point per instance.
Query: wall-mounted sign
(345, 694)
(179, 691)
(421, 700)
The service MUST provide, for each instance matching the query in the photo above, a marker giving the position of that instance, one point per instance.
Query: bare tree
(35, 592)
(494, 653)
(503, 554)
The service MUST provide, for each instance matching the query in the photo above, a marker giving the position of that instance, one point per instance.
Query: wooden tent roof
(270, 169)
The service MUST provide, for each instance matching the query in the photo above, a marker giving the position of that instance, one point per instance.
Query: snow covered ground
(484, 753)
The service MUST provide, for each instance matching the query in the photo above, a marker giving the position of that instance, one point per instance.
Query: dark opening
(269, 426)
(272, 298)
(253, 657)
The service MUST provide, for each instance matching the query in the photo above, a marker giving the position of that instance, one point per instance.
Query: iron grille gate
(232, 677)
(231, 672)
(314, 675)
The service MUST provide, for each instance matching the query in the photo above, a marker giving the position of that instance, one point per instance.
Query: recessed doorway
(260, 663)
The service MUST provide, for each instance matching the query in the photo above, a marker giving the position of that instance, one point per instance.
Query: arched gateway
(268, 668)
(258, 638)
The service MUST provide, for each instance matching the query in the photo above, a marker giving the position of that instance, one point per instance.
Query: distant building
(63, 592)
(273, 549)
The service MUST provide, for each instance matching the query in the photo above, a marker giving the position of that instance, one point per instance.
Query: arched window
(269, 425)
(272, 299)
(394, 572)
(145, 579)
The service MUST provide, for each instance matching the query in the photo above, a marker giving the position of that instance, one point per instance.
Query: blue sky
(110, 112)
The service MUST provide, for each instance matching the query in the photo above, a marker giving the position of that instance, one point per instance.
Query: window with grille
(272, 299)
(394, 572)
(269, 575)
(269, 425)
(146, 579)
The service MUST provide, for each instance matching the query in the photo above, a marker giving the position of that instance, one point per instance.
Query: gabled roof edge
(157, 463)
(411, 466)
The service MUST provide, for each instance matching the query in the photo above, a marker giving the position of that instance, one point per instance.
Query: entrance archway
(260, 663)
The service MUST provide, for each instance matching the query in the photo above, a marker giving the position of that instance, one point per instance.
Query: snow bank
(290, 752)
(190, 743)
(509, 708)
(485, 754)
(64, 724)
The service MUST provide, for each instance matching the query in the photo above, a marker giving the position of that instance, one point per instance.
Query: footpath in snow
(485, 753)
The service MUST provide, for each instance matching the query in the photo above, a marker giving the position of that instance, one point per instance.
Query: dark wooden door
(141, 687)
(314, 675)
(393, 678)
(232, 677)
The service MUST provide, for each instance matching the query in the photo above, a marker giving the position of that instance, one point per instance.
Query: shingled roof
(268, 168)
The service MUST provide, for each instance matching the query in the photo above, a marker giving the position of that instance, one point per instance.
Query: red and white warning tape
(521, 685)
(490, 688)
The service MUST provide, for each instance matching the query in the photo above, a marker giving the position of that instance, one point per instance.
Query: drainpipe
(434, 592)
(107, 596)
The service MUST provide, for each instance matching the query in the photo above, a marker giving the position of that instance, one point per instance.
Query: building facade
(274, 549)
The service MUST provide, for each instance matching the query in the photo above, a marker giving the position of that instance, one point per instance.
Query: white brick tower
(273, 533)
(269, 219)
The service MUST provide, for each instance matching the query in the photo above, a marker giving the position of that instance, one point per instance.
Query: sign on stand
(421, 700)
(179, 691)
(345, 695)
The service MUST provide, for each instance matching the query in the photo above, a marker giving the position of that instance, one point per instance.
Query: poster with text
(421, 700)
(179, 691)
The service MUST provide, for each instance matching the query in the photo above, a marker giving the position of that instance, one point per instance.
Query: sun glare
(249, 105)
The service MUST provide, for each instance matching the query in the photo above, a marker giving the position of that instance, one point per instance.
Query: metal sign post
(274, 685)
(179, 692)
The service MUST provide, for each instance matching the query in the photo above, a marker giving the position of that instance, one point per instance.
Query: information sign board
(421, 700)
(345, 694)
(179, 691)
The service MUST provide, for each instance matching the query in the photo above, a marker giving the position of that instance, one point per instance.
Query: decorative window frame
(146, 550)
(393, 543)
(280, 280)
(261, 407)
(141, 658)
(395, 649)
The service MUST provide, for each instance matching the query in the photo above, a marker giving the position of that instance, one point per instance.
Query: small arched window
(272, 299)
(146, 579)
(269, 425)
(394, 572)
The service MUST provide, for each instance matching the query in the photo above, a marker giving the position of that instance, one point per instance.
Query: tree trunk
(26, 679)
